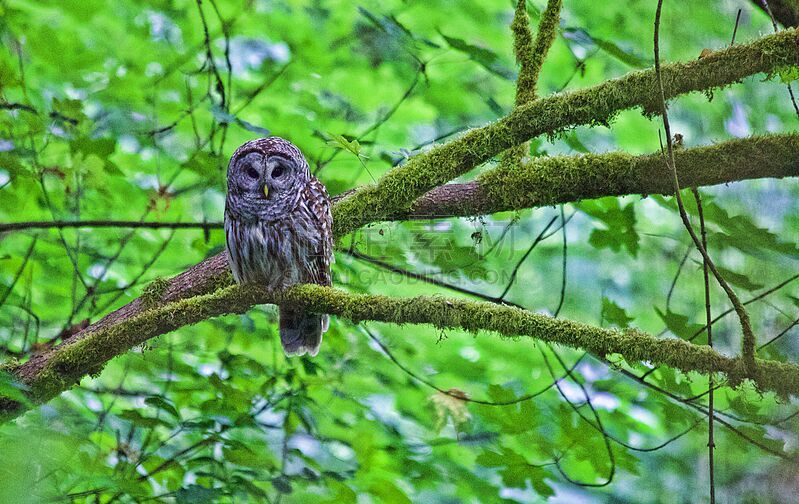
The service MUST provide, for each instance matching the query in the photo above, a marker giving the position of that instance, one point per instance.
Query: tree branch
(101, 223)
(50, 374)
(539, 183)
(530, 57)
(562, 179)
(529, 54)
(397, 189)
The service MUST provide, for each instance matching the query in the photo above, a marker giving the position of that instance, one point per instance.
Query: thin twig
(209, 57)
(64, 224)
(18, 274)
(701, 409)
(420, 276)
(461, 396)
(598, 426)
(748, 344)
(780, 335)
(519, 263)
(723, 314)
(735, 30)
(564, 253)
(711, 444)
(677, 276)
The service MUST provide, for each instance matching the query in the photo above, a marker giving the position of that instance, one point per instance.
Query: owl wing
(318, 207)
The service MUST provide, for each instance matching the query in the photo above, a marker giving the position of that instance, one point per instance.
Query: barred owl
(278, 230)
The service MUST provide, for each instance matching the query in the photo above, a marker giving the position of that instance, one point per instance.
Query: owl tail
(301, 331)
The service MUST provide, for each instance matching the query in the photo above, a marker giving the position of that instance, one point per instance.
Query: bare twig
(61, 224)
(748, 350)
(461, 396)
(521, 260)
(711, 443)
(18, 274)
(735, 30)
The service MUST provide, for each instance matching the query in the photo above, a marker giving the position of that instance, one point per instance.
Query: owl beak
(266, 191)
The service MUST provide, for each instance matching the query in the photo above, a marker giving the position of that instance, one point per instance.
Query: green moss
(9, 365)
(560, 179)
(154, 292)
(530, 55)
(524, 51)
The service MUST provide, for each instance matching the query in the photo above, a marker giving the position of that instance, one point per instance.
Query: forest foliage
(128, 111)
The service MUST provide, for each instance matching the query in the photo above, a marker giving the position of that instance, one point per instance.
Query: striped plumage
(280, 237)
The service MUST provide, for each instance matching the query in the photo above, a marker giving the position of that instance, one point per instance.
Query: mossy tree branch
(563, 179)
(530, 56)
(66, 365)
(397, 189)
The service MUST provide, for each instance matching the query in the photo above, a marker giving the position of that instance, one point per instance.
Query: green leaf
(679, 324)
(8, 71)
(615, 314)
(737, 231)
(515, 470)
(69, 109)
(196, 494)
(620, 225)
(162, 404)
(574, 142)
(514, 418)
(739, 280)
(204, 163)
(12, 389)
(788, 74)
(224, 117)
(101, 147)
(390, 25)
(244, 456)
(142, 421)
(387, 491)
(252, 127)
(482, 56)
(627, 56)
(339, 142)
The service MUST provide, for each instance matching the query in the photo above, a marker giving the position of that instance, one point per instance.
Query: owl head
(265, 179)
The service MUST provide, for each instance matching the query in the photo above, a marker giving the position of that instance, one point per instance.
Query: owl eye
(251, 172)
(277, 171)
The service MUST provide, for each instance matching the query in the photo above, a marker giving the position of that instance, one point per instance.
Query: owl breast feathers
(278, 230)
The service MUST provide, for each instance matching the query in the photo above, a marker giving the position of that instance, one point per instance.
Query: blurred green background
(131, 110)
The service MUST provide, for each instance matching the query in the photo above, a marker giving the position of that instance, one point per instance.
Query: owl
(278, 230)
